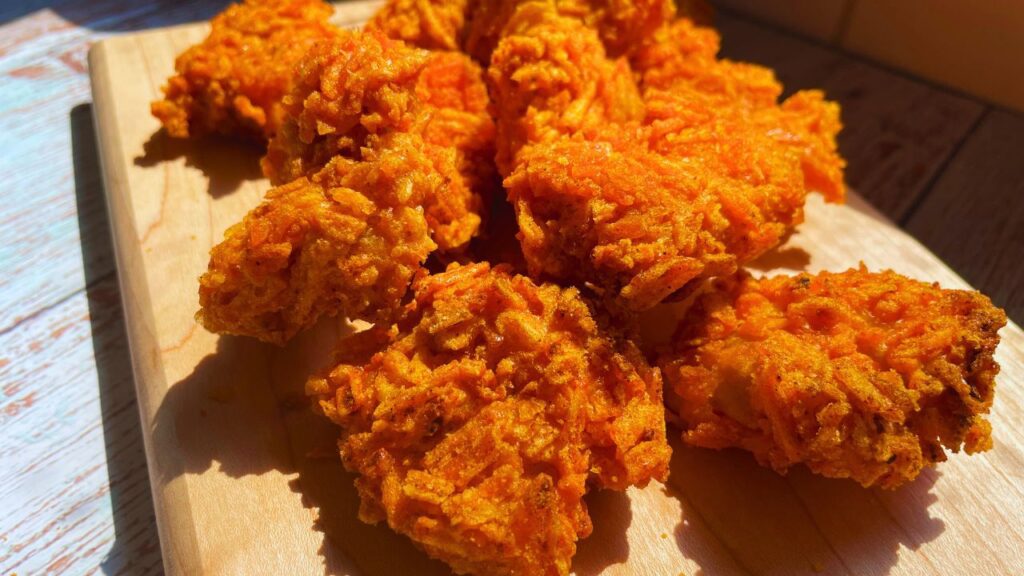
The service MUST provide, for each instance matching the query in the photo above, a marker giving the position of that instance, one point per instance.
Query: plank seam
(39, 312)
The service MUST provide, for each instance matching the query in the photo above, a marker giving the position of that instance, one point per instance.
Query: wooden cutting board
(246, 479)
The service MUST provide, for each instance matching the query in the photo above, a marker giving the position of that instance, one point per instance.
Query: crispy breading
(359, 85)
(550, 78)
(233, 82)
(681, 61)
(856, 375)
(621, 25)
(429, 24)
(346, 241)
(640, 197)
(475, 428)
(475, 26)
(610, 214)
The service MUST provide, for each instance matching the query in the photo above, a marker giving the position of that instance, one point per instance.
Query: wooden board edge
(178, 539)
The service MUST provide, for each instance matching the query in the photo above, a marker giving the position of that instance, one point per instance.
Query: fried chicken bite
(858, 375)
(621, 25)
(363, 84)
(475, 26)
(550, 78)
(233, 82)
(679, 69)
(476, 426)
(611, 215)
(641, 197)
(429, 24)
(346, 241)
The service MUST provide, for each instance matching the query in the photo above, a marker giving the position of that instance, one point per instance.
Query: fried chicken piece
(550, 78)
(346, 241)
(621, 25)
(856, 375)
(233, 82)
(681, 65)
(475, 428)
(641, 208)
(429, 24)
(406, 140)
(475, 26)
(612, 215)
(359, 85)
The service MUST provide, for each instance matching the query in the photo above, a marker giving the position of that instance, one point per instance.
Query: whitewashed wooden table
(74, 492)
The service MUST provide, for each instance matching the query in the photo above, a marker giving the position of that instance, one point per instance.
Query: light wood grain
(245, 478)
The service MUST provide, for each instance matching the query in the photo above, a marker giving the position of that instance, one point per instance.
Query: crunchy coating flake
(857, 375)
(621, 25)
(550, 78)
(609, 214)
(476, 427)
(680, 64)
(359, 85)
(475, 26)
(641, 197)
(429, 24)
(348, 240)
(233, 82)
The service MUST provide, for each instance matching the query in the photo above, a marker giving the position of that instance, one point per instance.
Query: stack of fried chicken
(501, 381)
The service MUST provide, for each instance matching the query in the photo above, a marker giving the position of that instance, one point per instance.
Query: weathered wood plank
(74, 489)
(43, 78)
(898, 131)
(974, 216)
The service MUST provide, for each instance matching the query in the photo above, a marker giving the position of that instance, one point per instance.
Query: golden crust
(550, 78)
(640, 194)
(429, 24)
(856, 375)
(233, 82)
(348, 240)
(359, 85)
(476, 427)
(475, 26)
(681, 64)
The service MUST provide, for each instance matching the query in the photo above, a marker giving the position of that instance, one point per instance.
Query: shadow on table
(136, 548)
(226, 162)
(243, 413)
(117, 15)
(739, 517)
